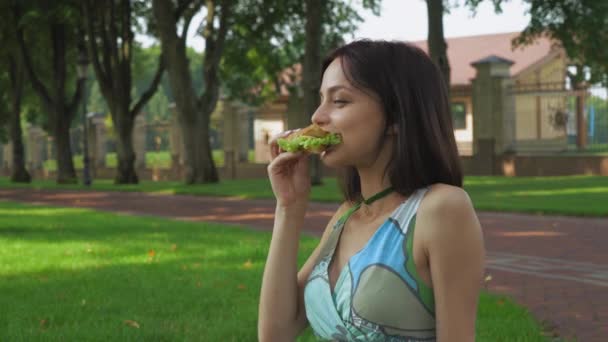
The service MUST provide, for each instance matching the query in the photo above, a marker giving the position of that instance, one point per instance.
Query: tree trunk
(19, 173)
(109, 46)
(436, 41)
(60, 110)
(311, 74)
(66, 173)
(193, 119)
(203, 166)
(125, 173)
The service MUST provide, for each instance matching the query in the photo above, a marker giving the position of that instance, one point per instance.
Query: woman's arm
(281, 312)
(455, 248)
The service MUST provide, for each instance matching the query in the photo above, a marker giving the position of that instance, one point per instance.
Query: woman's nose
(320, 117)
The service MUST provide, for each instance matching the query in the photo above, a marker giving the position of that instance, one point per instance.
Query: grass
(160, 159)
(79, 275)
(569, 195)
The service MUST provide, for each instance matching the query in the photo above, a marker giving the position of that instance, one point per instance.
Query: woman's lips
(328, 150)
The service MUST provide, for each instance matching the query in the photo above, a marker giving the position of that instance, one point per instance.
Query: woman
(402, 258)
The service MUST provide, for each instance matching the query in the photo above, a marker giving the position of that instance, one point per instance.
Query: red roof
(462, 51)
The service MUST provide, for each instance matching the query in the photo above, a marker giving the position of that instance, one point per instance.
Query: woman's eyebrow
(334, 89)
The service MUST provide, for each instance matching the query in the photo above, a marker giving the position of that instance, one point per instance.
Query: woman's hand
(289, 174)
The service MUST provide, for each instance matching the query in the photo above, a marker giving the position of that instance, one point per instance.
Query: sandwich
(310, 139)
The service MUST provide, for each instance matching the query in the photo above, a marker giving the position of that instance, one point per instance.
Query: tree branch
(213, 55)
(181, 8)
(27, 61)
(147, 95)
(16, 77)
(126, 45)
(107, 50)
(59, 64)
(81, 83)
(113, 40)
(102, 75)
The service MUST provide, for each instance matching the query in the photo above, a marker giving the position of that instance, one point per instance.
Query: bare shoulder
(444, 199)
(448, 214)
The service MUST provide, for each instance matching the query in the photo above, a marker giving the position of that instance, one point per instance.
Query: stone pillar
(581, 121)
(493, 112)
(7, 156)
(97, 141)
(139, 141)
(243, 134)
(35, 136)
(176, 141)
(231, 138)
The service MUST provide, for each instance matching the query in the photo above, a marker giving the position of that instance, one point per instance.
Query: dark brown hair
(415, 99)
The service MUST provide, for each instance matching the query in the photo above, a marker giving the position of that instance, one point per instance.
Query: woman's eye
(340, 102)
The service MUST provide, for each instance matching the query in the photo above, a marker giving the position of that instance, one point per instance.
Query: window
(459, 115)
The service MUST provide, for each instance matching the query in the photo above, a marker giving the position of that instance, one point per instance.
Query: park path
(556, 266)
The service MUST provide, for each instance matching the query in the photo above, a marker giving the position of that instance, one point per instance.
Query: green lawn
(80, 275)
(572, 195)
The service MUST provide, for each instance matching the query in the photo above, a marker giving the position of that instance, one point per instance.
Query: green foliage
(581, 26)
(158, 108)
(96, 102)
(268, 37)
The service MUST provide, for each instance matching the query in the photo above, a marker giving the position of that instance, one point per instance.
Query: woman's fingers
(275, 150)
(283, 159)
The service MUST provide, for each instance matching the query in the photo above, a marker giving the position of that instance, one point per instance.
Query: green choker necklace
(378, 195)
(367, 202)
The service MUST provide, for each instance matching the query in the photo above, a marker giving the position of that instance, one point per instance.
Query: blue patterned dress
(378, 295)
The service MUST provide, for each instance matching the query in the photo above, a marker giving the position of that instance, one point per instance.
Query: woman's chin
(328, 157)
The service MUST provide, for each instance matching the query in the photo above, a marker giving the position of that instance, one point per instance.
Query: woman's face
(358, 116)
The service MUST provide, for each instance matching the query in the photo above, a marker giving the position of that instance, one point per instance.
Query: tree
(194, 111)
(580, 26)
(110, 46)
(14, 84)
(336, 19)
(54, 23)
(17, 78)
(311, 71)
(438, 49)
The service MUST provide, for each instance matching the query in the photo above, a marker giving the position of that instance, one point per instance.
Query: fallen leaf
(151, 253)
(501, 302)
(248, 264)
(44, 323)
(132, 323)
(199, 284)
(83, 302)
(196, 265)
(488, 278)
(173, 247)
(242, 287)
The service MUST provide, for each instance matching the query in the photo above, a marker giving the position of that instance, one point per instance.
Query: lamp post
(83, 66)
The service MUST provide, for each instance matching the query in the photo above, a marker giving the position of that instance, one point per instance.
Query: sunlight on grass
(79, 275)
(40, 212)
(577, 192)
